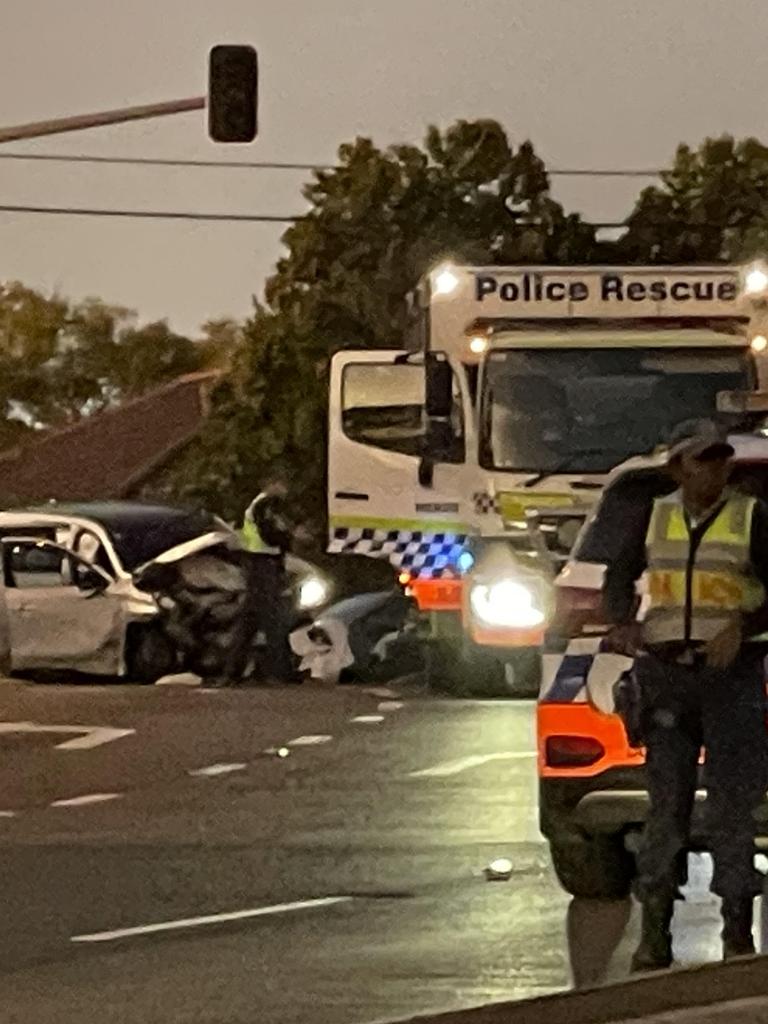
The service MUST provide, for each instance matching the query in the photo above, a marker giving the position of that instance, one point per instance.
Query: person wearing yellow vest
(700, 679)
(266, 536)
(267, 527)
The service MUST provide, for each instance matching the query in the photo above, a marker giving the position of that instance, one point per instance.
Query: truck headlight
(506, 603)
(313, 592)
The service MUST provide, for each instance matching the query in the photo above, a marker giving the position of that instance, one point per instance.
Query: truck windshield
(588, 409)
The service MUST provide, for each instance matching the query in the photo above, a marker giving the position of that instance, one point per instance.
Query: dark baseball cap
(703, 439)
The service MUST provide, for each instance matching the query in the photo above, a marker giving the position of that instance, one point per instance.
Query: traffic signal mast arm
(80, 122)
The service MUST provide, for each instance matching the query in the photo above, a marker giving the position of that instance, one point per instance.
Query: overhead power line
(79, 211)
(255, 218)
(267, 165)
(147, 161)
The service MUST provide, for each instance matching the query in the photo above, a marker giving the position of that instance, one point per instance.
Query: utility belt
(628, 694)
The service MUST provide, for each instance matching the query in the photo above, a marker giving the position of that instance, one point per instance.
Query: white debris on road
(180, 679)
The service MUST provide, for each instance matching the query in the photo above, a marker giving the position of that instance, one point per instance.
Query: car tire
(594, 868)
(150, 655)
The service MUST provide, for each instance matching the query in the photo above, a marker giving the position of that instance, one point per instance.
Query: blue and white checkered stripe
(423, 554)
(565, 676)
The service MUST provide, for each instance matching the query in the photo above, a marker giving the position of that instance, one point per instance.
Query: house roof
(108, 454)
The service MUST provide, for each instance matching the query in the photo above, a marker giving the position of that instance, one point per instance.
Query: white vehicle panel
(66, 628)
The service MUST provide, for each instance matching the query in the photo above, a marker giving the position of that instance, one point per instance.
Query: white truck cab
(516, 392)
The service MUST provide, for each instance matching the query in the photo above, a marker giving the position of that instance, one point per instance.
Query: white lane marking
(7, 814)
(89, 736)
(390, 705)
(95, 737)
(439, 771)
(86, 798)
(367, 719)
(196, 922)
(382, 692)
(219, 769)
(309, 741)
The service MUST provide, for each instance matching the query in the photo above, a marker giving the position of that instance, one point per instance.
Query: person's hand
(722, 649)
(623, 639)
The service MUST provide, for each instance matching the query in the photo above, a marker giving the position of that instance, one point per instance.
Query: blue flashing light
(465, 561)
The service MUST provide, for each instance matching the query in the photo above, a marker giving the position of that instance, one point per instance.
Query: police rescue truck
(470, 456)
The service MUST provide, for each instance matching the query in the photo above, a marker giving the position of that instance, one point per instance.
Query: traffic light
(233, 90)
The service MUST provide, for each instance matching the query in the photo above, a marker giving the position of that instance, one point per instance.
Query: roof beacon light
(759, 343)
(445, 281)
(756, 280)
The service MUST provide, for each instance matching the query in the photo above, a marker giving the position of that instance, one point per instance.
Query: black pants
(264, 610)
(682, 710)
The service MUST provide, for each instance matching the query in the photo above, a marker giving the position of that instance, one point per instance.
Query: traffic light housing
(233, 90)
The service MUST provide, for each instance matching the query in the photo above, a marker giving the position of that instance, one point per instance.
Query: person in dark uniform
(700, 680)
(267, 534)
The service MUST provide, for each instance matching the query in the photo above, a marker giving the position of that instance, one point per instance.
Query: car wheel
(594, 868)
(150, 655)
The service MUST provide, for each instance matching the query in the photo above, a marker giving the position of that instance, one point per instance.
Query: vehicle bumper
(616, 802)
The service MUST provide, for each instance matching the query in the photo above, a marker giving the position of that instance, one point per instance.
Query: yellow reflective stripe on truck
(515, 504)
(411, 525)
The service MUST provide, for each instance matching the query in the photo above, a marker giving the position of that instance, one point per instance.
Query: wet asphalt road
(389, 805)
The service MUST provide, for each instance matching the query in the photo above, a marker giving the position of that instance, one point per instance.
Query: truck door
(381, 502)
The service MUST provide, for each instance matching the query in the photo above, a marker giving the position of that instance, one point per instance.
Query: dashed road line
(7, 814)
(197, 922)
(309, 741)
(390, 705)
(440, 771)
(212, 770)
(367, 719)
(382, 692)
(86, 798)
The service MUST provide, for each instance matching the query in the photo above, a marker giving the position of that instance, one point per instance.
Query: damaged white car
(125, 589)
(73, 576)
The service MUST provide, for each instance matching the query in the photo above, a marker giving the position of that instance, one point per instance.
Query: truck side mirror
(438, 386)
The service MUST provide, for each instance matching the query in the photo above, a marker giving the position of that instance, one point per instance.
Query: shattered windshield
(588, 409)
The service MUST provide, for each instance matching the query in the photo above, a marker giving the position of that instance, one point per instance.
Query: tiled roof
(109, 453)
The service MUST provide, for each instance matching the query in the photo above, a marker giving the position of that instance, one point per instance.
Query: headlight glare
(506, 604)
(312, 593)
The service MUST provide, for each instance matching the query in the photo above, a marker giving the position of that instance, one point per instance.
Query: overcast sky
(609, 83)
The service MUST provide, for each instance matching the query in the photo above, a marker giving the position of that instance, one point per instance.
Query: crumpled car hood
(204, 542)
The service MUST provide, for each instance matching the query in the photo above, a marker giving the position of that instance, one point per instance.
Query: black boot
(655, 950)
(737, 928)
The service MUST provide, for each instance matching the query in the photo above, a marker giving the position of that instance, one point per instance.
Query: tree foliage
(711, 206)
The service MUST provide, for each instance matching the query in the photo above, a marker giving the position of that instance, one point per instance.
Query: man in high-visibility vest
(267, 526)
(700, 680)
(266, 534)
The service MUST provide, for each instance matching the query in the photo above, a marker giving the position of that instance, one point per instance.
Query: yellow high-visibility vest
(253, 541)
(695, 601)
